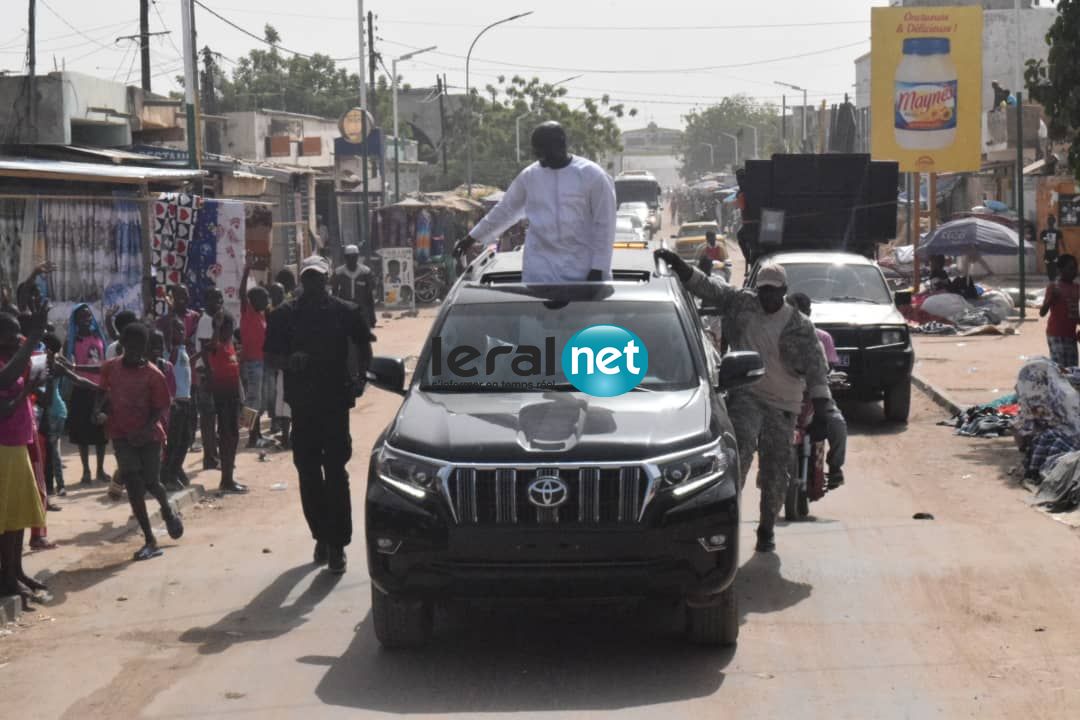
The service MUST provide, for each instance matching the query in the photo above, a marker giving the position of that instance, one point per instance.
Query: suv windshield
(825, 282)
(507, 327)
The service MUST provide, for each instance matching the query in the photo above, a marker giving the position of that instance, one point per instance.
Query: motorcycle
(807, 482)
(430, 282)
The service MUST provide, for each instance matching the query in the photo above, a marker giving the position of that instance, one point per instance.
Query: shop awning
(38, 169)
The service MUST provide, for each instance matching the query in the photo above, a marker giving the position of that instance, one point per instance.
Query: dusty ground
(865, 613)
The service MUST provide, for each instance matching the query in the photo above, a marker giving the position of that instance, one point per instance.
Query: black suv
(499, 485)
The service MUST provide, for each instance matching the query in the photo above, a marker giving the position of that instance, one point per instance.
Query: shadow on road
(531, 658)
(868, 418)
(762, 589)
(266, 616)
(546, 656)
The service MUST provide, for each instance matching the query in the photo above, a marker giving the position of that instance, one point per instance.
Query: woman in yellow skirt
(20, 504)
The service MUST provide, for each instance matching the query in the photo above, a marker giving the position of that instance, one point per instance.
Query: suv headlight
(407, 473)
(893, 336)
(695, 470)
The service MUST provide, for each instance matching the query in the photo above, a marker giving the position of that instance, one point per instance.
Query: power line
(157, 10)
(79, 32)
(263, 40)
(644, 71)
(586, 28)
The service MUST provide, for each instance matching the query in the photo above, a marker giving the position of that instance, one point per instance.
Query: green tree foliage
(731, 115)
(278, 80)
(591, 126)
(1055, 84)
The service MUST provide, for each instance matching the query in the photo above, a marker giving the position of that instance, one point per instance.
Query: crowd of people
(145, 386)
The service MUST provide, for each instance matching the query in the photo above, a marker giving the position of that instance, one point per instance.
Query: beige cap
(771, 275)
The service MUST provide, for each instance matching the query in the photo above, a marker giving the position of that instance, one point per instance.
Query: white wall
(999, 45)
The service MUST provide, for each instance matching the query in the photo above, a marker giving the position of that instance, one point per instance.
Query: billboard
(397, 267)
(926, 87)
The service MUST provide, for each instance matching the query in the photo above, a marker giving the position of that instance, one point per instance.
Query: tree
(591, 128)
(707, 127)
(1055, 84)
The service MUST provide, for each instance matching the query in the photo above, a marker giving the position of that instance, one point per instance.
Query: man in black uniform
(323, 345)
(355, 283)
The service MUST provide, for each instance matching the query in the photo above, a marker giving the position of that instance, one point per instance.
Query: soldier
(764, 414)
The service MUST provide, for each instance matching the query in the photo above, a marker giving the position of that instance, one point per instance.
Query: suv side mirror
(740, 368)
(902, 298)
(387, 373)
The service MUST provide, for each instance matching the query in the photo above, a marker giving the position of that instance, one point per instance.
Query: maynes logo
(601, 360)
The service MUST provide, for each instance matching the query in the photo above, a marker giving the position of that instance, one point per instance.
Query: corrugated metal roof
(91, 172)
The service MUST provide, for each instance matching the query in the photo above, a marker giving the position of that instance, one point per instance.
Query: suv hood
(855, 313)
(553, 426)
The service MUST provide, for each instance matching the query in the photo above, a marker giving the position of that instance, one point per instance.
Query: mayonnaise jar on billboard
(926, 87)
(926, 95)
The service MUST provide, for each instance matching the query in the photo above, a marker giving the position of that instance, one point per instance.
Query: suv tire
(898, 402)
(400, 623)
(716, 624)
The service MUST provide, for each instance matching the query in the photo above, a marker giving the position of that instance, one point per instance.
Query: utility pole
(442, 123)
(373, 61)
(31, 64)
(144, 42)
(364, 214)
(783, 123)
(187, 10)
(1022, 257)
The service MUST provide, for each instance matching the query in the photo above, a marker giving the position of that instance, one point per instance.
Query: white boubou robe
(571, 213)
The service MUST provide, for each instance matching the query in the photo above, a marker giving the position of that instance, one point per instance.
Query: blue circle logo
(605, 360)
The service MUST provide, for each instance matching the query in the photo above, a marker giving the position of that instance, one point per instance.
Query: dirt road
(865, 613)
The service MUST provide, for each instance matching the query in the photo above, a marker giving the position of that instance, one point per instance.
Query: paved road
(865, 613)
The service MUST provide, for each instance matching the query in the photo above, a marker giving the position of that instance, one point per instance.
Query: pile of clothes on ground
(943, 312)
(1047, 430)
(994, 419)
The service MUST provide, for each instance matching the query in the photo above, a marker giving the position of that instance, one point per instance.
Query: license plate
(845, 360)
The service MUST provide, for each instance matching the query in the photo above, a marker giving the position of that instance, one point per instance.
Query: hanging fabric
(175, 216)
(11, 230)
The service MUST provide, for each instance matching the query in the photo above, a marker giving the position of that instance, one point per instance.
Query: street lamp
(735, 140)
(468, 97)
(397, 140)
(712, 154)
(804, 101)
(519, 118)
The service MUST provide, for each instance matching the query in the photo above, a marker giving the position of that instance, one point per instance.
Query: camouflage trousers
(770, 433)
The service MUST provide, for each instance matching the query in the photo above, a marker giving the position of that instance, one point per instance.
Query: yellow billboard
(926, 87)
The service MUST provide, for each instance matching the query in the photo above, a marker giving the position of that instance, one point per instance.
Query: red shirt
(224, 369)
(1064, 310)
(135, 394)
(252, 333)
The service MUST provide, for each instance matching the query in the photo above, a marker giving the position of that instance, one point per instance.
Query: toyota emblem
(547, 492)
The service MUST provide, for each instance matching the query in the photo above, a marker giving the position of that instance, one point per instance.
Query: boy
(253, 304)
(223, 384)
(138, 397)
(205, 335)
(181, 430)
(1063, 305)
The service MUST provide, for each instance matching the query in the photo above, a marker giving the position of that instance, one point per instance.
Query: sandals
(148, 551)
(175, 526)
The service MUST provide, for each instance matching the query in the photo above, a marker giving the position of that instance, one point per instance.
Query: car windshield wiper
(852, 298)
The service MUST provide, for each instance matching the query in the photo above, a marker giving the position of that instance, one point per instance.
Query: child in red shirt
(1063, 304)
(138, 398)
(223, 378)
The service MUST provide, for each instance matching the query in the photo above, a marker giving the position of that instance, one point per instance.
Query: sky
(662, 57)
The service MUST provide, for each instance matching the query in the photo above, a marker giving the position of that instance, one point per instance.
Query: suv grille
(594, 496)
(845, 337)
